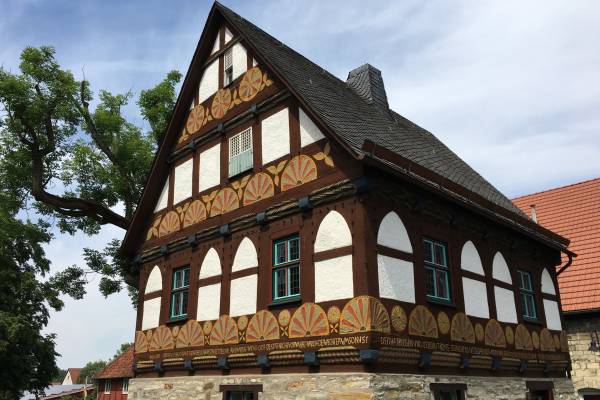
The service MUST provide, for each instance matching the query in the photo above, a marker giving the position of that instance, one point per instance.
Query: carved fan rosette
(494, 335)
(556, 342)
(399, 319)
(443, 323)
(259, 187)
(422, 323)
(242, 322)
(309, 320)
(161, 339)
(364, 314)
(301, 169)
(190, 334)
(546, 341)
(224, 331)
(221, 103)
(564, 342)
(195, 213)
(462, 329)
(225, 201)
(141, 343)
(535, 340)
(523, 339)
(195, 119)
(169, 224)
(262, 326)
(510, 335)
(251, 84)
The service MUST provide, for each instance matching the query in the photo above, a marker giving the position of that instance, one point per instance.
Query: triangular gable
(330, 103)
(155, 195)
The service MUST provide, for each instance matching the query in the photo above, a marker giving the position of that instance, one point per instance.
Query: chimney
(533, 214)
(367, 82)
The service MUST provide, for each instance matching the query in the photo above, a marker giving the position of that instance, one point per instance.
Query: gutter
(569, 254)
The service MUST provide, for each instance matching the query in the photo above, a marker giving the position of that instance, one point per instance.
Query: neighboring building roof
(54, 392)
(57, 391)
(574, 212)
(120, 367)
(73, 375)
(355, 120)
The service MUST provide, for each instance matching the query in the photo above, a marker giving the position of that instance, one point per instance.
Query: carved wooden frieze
(303, 328)
(283, 176)
(252, 83)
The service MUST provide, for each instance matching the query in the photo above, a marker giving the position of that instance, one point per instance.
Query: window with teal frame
(286, 269)
(527, 295)
(437, 273)
(179, 293)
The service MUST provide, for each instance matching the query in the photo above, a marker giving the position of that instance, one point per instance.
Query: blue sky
(512, 87)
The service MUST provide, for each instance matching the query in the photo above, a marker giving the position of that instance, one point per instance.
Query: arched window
(395, 275)
(209, 293)
(242, 299)
(333, 276)
(474, 290)
(151, 308)
(506, 311)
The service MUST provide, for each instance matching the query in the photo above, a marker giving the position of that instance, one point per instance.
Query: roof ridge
(555, 188)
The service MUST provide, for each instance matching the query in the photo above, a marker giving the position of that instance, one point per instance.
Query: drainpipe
(568, 264)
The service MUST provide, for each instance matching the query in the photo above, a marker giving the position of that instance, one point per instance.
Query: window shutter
(228, 59)
(240, 152)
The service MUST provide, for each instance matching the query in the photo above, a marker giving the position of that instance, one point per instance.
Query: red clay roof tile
(120, 367)
(573, 211)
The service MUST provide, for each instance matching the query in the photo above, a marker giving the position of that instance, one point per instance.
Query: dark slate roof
(355, 120)
(367, 82)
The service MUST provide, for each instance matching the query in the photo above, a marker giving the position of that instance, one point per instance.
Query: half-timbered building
(297, 238)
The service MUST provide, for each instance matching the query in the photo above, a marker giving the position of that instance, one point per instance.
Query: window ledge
(445, 303)
(278, 302)
(175, 320)
(534, 321)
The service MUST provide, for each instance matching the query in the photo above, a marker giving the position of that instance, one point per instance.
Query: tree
(124, 347)
(26, 292)
(60, 375)
(74, 164)
(89, 370)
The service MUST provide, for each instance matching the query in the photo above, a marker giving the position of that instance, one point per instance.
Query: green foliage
(26, 291)
(157, 104)
(70, 166)
(74, 165)
(124, 347)
(60, 375)
(89, 370)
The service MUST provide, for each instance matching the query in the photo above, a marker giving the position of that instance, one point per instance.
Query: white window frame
(125, 386)
(107, 386)
(228, 65)
(241, 153)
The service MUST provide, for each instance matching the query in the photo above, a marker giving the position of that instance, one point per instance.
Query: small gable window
(240, 152)
(107, 386)
(179, 292)
(228, 67)
(437, 274)
(527, 295)
(286, 269)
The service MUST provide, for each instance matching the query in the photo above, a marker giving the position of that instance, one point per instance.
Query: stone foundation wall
(585, 363)
(342, 386)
